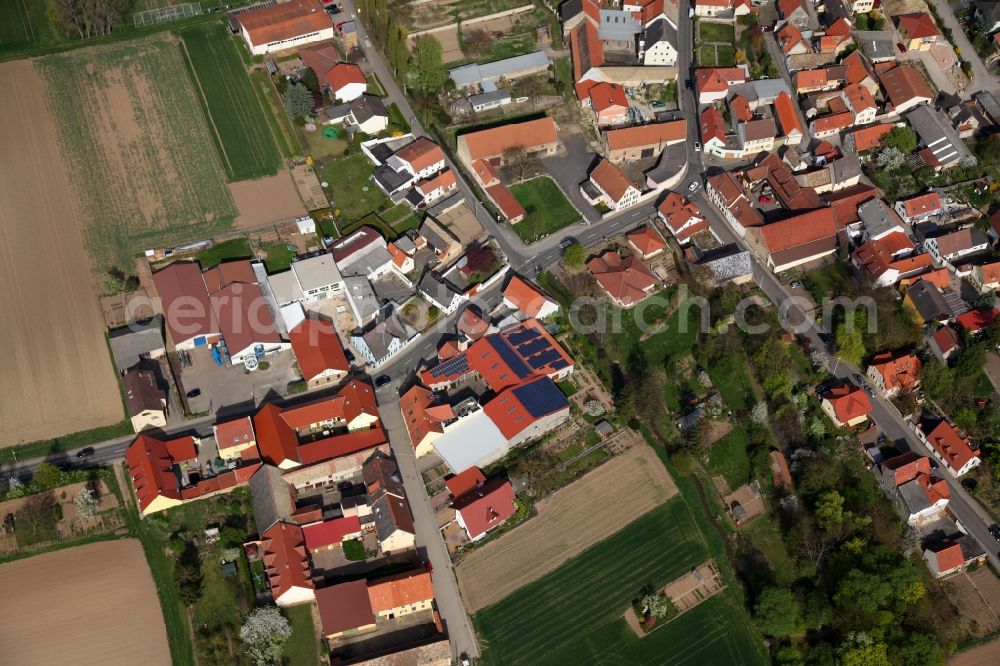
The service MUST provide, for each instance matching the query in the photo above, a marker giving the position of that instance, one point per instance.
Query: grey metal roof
(846, 168)
(489, 97)
(316, 272)
(658, 31)
(366, 107)
(270, 497)
(937, 133)
(876, 44)
(391, 180)
(445, 205)
(928, 301)
(729, 264)
(366, 262)
(878, 218)
(569, 9)
(437, 290)
(989, 103)
(475, 74)
(130, 342)
(362, 296)
(618, 26)
(380, 336)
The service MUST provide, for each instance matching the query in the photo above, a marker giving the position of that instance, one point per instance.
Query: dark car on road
(349, 355)
(194, 393)
(382, 380)
(995, 531)
(85, 452)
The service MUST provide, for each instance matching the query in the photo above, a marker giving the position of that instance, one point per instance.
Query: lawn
(235, 248)
(827, 281)
(731, 376)
(240, 130)
(351, 192)
(765, 534)
(397, 122)
(302, 649)
(547, 208)
(24, 22)
(279, 257)
(716, 32)
(354, 550)
(725, 56)
(706, 56)
(573, 615)
(729, 458)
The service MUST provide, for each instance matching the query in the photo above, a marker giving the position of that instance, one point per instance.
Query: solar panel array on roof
(533, 347)
(541, 397)
(512, 360)
(560, 364)
(523, 335)
(458, 365)
(541, 360)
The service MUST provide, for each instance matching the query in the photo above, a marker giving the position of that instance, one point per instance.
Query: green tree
(788, 655)
(187, 574)
(111, 284)
(850, 340)
(829, 510)
(901, 138)
(574, 256)
(919, 649)
(776, 612)
(937, 379)
(298, 101)
(47, 477)
(965, 419)
(866, 655)
(863, 591)
(429, 72)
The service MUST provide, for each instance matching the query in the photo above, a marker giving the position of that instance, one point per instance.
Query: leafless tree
(519, 163)
(477, 41)
(89, 18)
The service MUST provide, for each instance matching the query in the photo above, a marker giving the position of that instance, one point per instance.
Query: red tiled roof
(788, 7)
(990, 272)
(284, 21)
(946, 339)
(713, 125)
(485, 173)
(611, 179)
(234, 433)
(923, 204)
(857, 71)
(917, 25)
(329, 532)
(342, 445)
(833, 121)
(810, 78)
(800, 230)
(841, 28)
(734, 199)
(952, 447)
(511, 415)
(740, 108)
(505, 200)
(187, 309)
(779, 468)
(626, 280)
(940, 278)
(493, 367)
(487, 507)
(849, 402)
(829, 43)
(903, 83)
(227, 273)
(606, 95)
(525, 296)
(676, 211)
(472, 324)
(878, 256)
(653, 134)
(413, 404)
(646, 240)
(907, 466)
(152, 470)
(859, 97)
(344, 606)
(401, 590)
(974, 321)
(420, 154)
(342, 75)
(716, 79)
(465, 481)
(285, 558)
(355, 243)
(318, 348)
(244, 317)
(789, 36)
(947, 554)
(784, 109)
(867, 138)
(444, 179)
(901, 372)
(845, 203)
(490, 143)
(587, 52)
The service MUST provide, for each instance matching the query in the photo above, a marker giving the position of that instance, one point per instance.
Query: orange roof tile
(489, 143)
(784, 109)
(505, 200)
(283, 21)
(867, 138)
(902, 372)
(234, 433)
(318, 348)
(646, 240)
(653, 134)
(947, 555)
(525, 296)
(401, 590)
(918, 25)
(344, 74)
(285, 559)
(465, 481)
(952, 447)
(849, 402)
(627, 280)
(420, 154)
(606, 95)
(922, 204)
(611, 179)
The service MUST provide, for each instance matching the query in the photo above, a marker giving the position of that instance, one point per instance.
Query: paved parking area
(570, 168)
(226, 388)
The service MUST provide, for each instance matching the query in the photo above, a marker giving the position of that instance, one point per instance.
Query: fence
(165, 14)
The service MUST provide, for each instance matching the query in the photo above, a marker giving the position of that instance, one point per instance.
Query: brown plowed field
(93, 604)
(983, 655)
(266, 200)
(55, 375)
(583, 513)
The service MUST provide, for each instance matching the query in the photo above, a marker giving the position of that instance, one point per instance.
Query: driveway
(981, 76)
(570, 168)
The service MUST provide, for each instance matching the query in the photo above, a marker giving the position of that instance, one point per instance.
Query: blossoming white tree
(265, 632)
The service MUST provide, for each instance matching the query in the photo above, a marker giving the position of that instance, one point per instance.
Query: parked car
(382, 380)
(687, 84)
(566, 242)
(194, 393)
(764, 199)
(85, 452)
(901, 47)
(995, 531)
(858, 379)
(693, 187)
(796, 284)
(464, 658)
(657, 104)
(697, 147)
(349, 355)
(869, 391)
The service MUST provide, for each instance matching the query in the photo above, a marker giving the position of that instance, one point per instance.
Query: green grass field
(279, 257)
(135, 141)
(236, 116)
(25, 23)
(235, 248)
(729, 458)
(716, 32)
(546, 206)
(351, 190)
(302, 649)
(574, 614)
